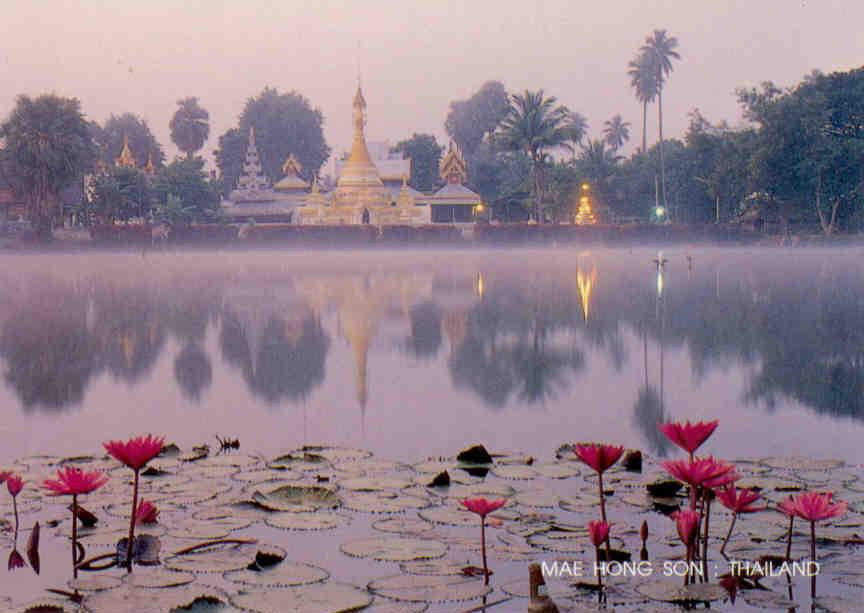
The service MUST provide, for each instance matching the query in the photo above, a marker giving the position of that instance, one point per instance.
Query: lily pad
(297, 497)
(159, 577)
(801, 463)
(94, 583)
(429, 588)
(394, 548)
(315, 598)
(514, 471)
(287, 574)
(449, 515)
(320, 520)
(129, 598)
(383, 502)
(766, 599)
(668, 591)
(217, 559)
(402, 525)
(433, 567)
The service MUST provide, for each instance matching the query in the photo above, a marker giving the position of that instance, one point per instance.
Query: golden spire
(359, 169)
(452, 167)
(150, 169)
(291, 165)
(126, 159)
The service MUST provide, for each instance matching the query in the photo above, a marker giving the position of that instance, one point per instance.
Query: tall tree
(284, 124)
(643, 80)
(661, 47)
(577, 130)
(47, 146)
(190, 126)
(121, 193)
(183, 184)
(616, 132)
(470, 121)
(142, 143)
(534, 124)
(425, 153)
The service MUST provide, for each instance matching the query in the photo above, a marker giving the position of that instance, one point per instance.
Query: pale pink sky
(415, 57)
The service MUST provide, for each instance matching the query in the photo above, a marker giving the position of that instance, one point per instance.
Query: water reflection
(509, 336)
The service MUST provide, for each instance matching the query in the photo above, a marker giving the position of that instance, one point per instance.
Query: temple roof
(452, 166)
(126, 159)
(359, 171)
(292, 180)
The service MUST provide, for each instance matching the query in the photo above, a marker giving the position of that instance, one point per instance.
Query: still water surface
(413, 354)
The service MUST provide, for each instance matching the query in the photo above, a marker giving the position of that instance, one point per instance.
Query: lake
(413, 356)
(522, 350)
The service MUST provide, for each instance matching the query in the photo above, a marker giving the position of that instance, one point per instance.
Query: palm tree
(533, 124)
(661, 47)
(577, 129)
(643, 80)
(190, 126)
(616, 132)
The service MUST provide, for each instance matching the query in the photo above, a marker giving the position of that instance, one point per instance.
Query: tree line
(797, 160)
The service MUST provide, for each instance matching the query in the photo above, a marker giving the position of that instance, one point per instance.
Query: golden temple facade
(360, 196)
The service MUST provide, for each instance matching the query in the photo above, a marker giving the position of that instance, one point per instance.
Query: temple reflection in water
(510, 337)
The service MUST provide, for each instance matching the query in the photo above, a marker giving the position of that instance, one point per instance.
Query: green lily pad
(94, 583)
(319, 520)
(297, 497)
(514, 471)
(801, 463)
(159, 578)
(432, 567)
(374, 484)
(316, 598)
(669, 591)
(394, 548)
(383, 502)
(429, 588)
(402, 525)
(286, 574)
(129, 598)
(452, 516)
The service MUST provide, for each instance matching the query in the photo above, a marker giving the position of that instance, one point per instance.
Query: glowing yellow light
(479, 284)
(585, 187)
(659, 282)
(479, 208)
(585, 283)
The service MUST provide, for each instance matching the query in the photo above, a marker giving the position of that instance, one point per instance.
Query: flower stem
(728, 535)
(599, 570)
(707, 503)
(813, 559)
(131, 540)
(15, 510)
(789, 539)
(74, 536)
(603, 514)
(483, 549)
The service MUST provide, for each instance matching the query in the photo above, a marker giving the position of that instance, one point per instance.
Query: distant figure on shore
(159, 234)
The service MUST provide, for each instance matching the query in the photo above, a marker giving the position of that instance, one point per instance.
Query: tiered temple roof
(126, 159)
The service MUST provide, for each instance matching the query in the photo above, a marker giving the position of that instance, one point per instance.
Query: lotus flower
(687, 436)
(687, 523)
(134, 453)
(483, 507)
(600, 457)
(14, 484)
(701, 472)
(597, 456)
(599, 532)
(147, 513)
(738, 501)
(787, 507)
(4, 474)
(15, 560)
(74, 482)
(818, 506)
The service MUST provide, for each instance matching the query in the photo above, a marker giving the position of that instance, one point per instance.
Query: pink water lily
(482, 507)
(74, 482)
(687, 436)
(135, 453)
(687, 524)
(738, 501)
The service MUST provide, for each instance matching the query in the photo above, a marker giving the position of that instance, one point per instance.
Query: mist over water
(412, 354)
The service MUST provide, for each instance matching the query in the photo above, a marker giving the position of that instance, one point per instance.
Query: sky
(413, 58)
